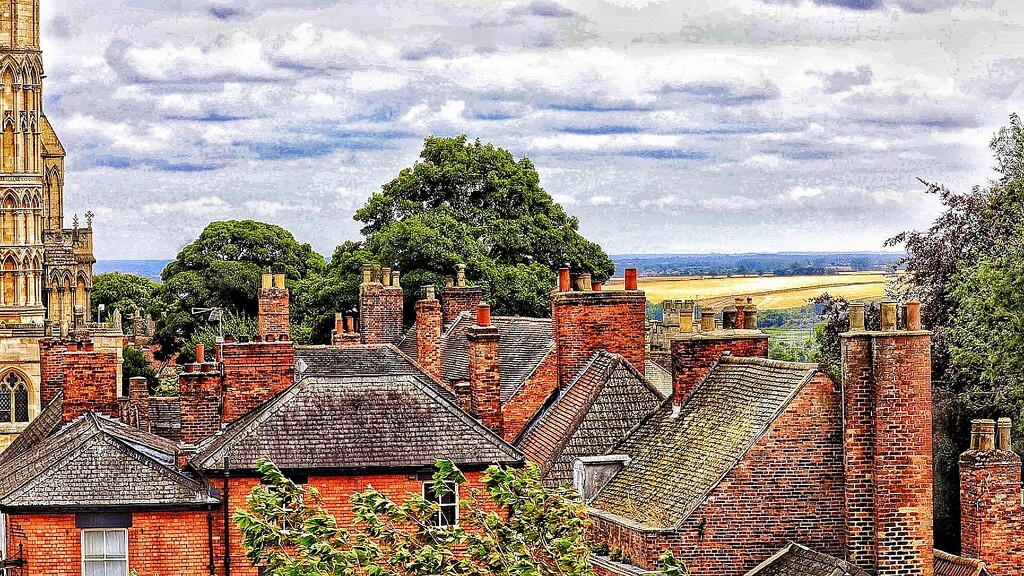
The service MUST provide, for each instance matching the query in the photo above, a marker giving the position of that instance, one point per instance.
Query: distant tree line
(786, 264)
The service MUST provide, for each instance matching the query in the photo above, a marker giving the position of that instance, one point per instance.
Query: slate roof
(602, 403)
(659, 377)
(522, 345)
(44, 425)
(677, 462)
(797, 560)
(96, 462)
(357, 421)
(947, 564)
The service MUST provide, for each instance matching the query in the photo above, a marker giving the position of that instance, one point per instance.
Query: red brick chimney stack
(484, 378)
(585, 321)
(888, 446)
(273, 306)
(991, 515)
(90, 382)
(381, 303)
(458, 297)
(138, 403)
(694, 353)
(428, 332)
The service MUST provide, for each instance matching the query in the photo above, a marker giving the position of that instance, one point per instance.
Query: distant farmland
(769, 292)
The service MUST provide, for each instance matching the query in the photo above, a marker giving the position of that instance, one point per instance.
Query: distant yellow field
(769, 292)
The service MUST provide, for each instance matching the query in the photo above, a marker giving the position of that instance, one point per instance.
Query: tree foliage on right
(470, 203)
(967, 270)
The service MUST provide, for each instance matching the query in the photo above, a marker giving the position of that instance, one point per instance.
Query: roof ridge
(171, 473)
(769, 362)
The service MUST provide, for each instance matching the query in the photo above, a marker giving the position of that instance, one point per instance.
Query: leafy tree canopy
(136, 364)
(475, 204)
(126, 293)
(222, 268)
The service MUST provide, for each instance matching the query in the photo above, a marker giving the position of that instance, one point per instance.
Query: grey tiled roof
(677, 462)
(44, 425)
(523, 343)
(356, 422)
(797, 560)
(659, 377)
(604, 401)
(98, 462)
(362, 360)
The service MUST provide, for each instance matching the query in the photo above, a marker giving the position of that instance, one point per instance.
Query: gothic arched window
(13, 398)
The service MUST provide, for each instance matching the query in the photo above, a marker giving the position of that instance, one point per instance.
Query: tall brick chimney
(586, 321)
(90, 382)
(428, 332)
(888, 447)
(273, 306)
(254, 373)
(991, 515)
(201, 392)
(381, 303)
(484, 381)
(694, 353)
(457, 297)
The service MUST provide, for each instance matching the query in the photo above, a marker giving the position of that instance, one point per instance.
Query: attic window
(447, 502)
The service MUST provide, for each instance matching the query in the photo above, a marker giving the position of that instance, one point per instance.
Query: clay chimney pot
(483, 314)
(631, 279)
(913, 315)
(563, 279)
(597, 286)
(1005, 425)
(200, 353)
(986, 435)
(856, 317)
(888, 316)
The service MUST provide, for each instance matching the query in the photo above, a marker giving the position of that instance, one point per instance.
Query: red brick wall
(859, 457)
(164, 543)
(380, 313)
(991, 518)
(51, 369)
(903, 455)
(253, 373)
(889, 451)
(273, 312)
(530, 397)
(458, 299)
(693, 357)
(484, 377)
(201, 397)
(789, 487)
(90, 383)
(584, 322)
(428, 336)
(335, 492)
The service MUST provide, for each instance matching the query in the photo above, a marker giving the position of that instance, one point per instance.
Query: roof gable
(947, 564)
(356, 422)
(51, 144)
(677, 460)
(605, 400)
(98, 462)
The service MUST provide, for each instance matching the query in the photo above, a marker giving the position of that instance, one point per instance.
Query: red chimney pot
(563, 280)
(483, 314)
(200, 353)
(630, 278)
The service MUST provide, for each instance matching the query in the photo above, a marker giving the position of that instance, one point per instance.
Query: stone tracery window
(13, 398)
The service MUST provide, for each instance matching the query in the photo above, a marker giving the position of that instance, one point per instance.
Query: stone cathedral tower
(45, 269)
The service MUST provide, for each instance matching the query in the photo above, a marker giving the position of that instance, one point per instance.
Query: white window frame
(127, 566)
(428, 495)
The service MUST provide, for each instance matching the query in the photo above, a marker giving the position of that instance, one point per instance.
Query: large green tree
(473, 203)
(222, 268)
(126, 293)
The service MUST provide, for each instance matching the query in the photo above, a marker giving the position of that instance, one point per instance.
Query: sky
(676, 126)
